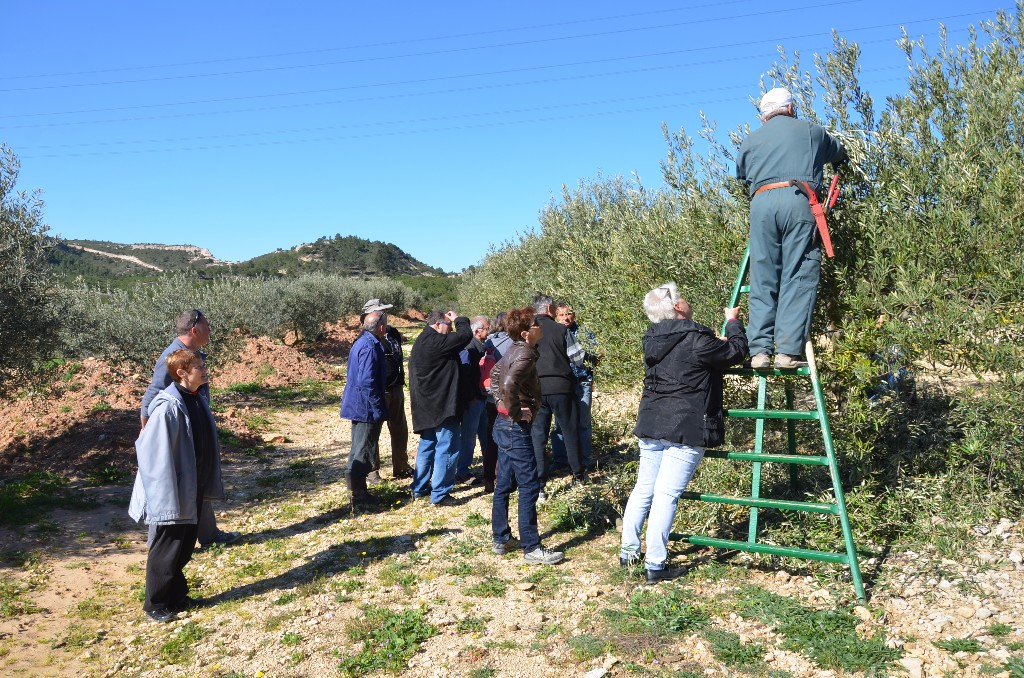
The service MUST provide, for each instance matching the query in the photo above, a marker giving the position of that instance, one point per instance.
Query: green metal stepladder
(758, 457)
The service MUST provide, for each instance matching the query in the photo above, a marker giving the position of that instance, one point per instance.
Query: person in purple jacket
(362, 403)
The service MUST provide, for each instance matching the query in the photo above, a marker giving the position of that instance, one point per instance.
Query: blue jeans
(584, 394)
(665, 470)
(517, 461)
(436, 459)
(472, 428)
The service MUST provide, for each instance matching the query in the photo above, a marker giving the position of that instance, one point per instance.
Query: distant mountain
(105, 262)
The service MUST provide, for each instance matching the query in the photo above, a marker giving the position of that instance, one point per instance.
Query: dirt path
(311, 583)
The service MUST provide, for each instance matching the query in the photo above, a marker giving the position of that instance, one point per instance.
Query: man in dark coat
(785, 254)
(558, 392)
(436, 408)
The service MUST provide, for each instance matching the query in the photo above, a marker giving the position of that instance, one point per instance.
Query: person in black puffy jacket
(680, 415)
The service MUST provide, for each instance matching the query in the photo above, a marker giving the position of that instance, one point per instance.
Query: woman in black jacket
(680, 415)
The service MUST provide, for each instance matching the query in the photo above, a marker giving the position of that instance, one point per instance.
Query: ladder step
(748, 372)
(745, 289)
(806, 506)
(773, 414)
(814, 460)
(786, 551)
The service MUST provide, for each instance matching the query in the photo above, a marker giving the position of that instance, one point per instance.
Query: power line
(487, 73)
(372, 45)
(454, 50)
(482, 125)
(396, 122)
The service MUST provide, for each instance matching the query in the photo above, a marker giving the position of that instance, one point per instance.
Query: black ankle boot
(666, 574)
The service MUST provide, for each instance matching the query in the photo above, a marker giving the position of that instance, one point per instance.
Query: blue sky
(440, 127)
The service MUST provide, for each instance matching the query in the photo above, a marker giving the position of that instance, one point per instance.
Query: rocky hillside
(98, 261)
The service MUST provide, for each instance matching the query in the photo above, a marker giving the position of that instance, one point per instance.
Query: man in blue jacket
(362, 402)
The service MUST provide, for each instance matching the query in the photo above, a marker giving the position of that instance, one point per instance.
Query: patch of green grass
(92, 608)
(483, 672)
(587, 508)
(488, 587)
(19, 558)
(388, 640)
(286, 598)
(13, 598)
(107, 474)
(300, 464)
(547, 580)
(827, 637)
(459, 569)
(1015, 665)
(66, 408)
(397, 573)
(179, 648)
(245, 387)
(474, 519)
(472, 624)
(276, 621)
(318, 391)
(548, 630)
(76, 637)
(24, 500)
(272, 480)
(257, 422)
(291, 638)
(999, 630)
(101, 406)
(649, 611)
(954, 645)
(586, 647)
(731, 652)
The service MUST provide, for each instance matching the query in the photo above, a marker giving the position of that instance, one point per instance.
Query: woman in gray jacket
(179, 467)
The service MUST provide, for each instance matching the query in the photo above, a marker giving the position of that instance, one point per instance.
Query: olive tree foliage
(135, 324)
(29, 311)
(928, 263)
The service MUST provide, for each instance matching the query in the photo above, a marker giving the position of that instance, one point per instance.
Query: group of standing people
(502, 388)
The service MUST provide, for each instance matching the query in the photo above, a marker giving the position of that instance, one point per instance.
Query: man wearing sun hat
(785, 254)
(394, 399)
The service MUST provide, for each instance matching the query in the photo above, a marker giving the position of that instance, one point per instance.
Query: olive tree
(28, 305)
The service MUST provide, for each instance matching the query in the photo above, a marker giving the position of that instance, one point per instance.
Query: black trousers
(566, 412)
(169, 553)
(365, 436)
(398, 427)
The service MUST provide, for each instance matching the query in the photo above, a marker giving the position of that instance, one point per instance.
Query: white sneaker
(542, 497)
(761, 361)
(542, 556)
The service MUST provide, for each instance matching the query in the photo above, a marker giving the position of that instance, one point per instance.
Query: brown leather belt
(817, 208)
(777, 184)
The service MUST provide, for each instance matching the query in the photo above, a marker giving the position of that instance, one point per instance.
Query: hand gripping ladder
(758, 456)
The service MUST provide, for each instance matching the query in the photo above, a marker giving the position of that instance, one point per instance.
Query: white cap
(775, 98)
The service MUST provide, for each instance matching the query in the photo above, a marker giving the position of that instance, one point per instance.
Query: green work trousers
(785, 265)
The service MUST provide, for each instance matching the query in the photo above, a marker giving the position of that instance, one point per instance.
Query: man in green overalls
(785, 258)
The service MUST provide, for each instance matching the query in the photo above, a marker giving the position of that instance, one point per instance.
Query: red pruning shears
(833, 193)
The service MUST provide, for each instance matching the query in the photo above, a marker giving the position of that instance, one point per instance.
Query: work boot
(785, 361)
(761, 361)
(360, 495)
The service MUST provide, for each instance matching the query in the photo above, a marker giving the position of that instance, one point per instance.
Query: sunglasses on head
(197, 315)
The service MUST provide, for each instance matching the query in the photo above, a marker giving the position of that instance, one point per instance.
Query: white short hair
(660, 303)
